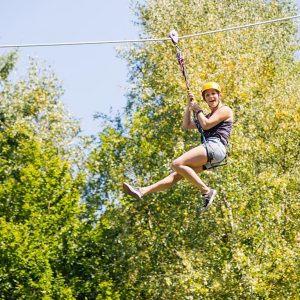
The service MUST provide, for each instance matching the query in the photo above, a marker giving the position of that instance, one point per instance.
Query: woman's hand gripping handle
(192, 104)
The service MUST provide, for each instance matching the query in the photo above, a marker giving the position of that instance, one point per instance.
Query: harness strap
(180, 59)
(210, 154)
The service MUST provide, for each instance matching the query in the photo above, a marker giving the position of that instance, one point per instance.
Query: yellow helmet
(210, 85)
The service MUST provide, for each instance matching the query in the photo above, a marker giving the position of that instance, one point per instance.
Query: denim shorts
(217, 150)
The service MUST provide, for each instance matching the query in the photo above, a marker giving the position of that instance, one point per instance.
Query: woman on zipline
(216, 127)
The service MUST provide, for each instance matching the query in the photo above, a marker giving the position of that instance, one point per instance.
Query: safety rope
(180, 58)
(150, 39)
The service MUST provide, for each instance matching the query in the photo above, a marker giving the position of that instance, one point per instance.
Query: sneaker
(208, 199)
(132, 191)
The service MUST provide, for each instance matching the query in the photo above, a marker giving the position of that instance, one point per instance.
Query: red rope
(180, 59)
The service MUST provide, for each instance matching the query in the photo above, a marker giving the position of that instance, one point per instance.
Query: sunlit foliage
(247, 245)
(67, 231)
(40, 183)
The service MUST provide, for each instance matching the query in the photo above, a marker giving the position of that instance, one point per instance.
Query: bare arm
(224, 113)
(187, 122)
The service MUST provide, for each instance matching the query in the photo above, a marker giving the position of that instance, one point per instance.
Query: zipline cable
(147, 40)
(240, 27)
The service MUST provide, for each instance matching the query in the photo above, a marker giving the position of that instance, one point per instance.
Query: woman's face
(212, 98)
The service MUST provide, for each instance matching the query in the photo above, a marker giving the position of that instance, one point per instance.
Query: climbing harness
(180, 58)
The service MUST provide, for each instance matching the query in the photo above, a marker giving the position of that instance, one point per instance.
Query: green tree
(40, 186)
(247, 245)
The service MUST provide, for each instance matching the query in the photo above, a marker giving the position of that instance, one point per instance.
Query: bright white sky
(93, 77)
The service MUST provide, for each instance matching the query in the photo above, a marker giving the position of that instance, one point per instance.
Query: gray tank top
(221, 131)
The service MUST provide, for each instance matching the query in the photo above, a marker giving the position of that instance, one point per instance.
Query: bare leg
(165, 183)
(186, 166)
(186, 163)
(161, 185)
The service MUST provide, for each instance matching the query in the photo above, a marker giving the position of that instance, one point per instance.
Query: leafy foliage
(67, 231)
(161, 248)
(39, 191)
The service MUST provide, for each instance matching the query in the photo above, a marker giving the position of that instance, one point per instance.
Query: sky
(93, 77)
